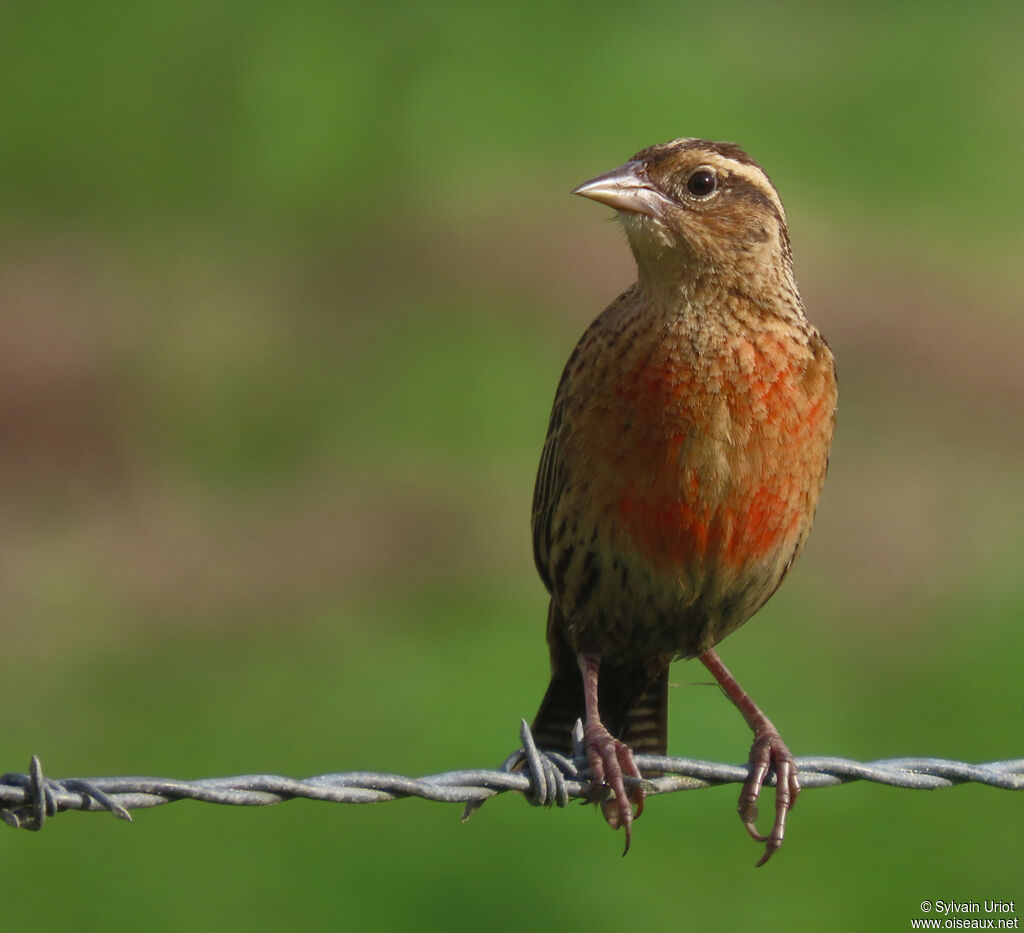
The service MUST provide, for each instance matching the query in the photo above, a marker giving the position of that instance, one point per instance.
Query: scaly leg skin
(767, 751)
(609, 758)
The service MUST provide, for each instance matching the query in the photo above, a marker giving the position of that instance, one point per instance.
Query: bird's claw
(767, 752)
(610, 761)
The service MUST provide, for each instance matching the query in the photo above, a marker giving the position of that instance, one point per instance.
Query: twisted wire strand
(545, 778)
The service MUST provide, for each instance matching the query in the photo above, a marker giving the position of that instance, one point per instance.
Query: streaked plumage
(686, 450)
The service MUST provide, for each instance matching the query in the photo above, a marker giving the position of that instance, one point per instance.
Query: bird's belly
(680, 574)
(699, 511)
(683, 528)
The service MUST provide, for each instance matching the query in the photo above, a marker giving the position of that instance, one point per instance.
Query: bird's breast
(713, 453)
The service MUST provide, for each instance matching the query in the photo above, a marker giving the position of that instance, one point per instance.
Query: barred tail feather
(561, 707)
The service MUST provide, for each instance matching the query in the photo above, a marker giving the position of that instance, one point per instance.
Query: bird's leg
(609, 758)
(768, 750)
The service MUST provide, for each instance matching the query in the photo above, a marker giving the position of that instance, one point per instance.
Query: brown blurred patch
(924, 487)
(59, 393)
(303, 549)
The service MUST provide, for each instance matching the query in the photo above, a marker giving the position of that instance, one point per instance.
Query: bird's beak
(626, 188)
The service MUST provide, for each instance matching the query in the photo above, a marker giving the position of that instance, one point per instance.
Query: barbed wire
(545, 778)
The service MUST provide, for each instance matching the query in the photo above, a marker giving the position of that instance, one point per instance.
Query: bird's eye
(702, 183)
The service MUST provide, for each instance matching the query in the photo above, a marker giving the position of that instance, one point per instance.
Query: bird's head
(697, 207)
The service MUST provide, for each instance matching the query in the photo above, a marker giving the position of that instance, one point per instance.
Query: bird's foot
(767, 753)
(610, 762)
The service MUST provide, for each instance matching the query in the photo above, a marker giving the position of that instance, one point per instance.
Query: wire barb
(43, 797)
(545, 778)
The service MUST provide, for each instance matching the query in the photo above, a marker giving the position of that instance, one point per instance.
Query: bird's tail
(633, 701)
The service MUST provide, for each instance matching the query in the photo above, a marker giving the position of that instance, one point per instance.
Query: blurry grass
(293, 115)
(436, 385)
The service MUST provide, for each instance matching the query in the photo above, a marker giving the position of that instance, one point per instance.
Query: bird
(687, 447)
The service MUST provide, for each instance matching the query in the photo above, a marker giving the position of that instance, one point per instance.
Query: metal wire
(545, 778)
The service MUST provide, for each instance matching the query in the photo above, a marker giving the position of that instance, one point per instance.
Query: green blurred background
(285, 291)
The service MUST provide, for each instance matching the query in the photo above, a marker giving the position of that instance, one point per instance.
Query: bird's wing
(548, 491)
